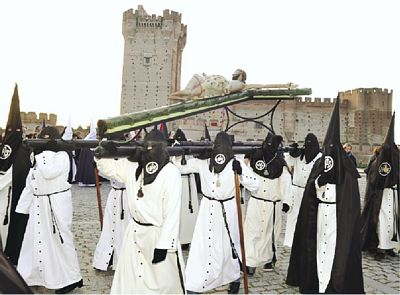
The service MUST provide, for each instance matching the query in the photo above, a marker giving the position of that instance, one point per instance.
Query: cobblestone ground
(380, 277)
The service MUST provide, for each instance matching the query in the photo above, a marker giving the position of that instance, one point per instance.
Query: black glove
(285, 207)
(99, 151)
(322, 179)
(236, 167)
(110, 146)
(295, 151)
(136, 155)
(159, 255)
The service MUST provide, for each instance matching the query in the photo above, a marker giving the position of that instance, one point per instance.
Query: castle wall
(365, 117)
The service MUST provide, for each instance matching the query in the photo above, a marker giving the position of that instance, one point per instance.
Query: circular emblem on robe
(384, 169)
(5, 152)
(260, 165)
(328, 164)
(219, 159)
(151, 167)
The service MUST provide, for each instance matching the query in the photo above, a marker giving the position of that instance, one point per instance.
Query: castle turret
(152, 58)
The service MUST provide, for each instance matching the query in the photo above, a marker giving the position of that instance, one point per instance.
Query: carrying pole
(96, 173)
(239, 209)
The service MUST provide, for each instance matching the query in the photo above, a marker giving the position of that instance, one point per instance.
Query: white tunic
(210, 263)
(326, 233)
(116, 220)
(301, 172)
(190, 208)
(5, 204)
(259, 226)
(44, 259)
(160, 207)
(385, 228)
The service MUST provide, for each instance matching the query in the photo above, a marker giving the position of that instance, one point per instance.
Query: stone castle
(152, 58)
(152, 69)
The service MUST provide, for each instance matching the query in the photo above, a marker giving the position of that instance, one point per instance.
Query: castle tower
(152, 58)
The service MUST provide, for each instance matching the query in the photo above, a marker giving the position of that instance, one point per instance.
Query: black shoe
(185, 246)
(379, 256)
(234, 288)
(250, 271)
(69, 288)
(269, 266)
(391, 253)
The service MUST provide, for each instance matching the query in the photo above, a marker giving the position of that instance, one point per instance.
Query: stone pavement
(381, 277)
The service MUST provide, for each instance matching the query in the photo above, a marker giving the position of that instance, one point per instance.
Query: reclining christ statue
(203, 86)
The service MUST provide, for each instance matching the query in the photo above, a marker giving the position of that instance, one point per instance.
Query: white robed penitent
(301, 172)
(386, 220)
(154, 224)
(263, 220)
(116, 220)
(210, 263)
(48, 257)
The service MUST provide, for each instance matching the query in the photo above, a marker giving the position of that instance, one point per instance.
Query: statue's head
(240, 75)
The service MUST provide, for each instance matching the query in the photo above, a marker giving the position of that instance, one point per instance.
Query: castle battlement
(368, 90)
(315, 100)
(33, 118)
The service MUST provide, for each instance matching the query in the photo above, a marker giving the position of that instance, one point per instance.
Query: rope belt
(324, 202)
(142, 223)
(190, 193)
(122, 201)
(234, 252)
(298, 185)
(273, 224)
(5, 222)
(53, 217)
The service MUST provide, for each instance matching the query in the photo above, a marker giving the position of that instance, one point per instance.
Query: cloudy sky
(66, 56)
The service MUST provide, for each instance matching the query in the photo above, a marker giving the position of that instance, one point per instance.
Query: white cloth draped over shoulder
(210, 263)
(154, 224)
(301, 172)
(5, 203)
(386, 223)
(326, 232)
(264, 205)
(190, 208)
(116, 220)
(48, 257)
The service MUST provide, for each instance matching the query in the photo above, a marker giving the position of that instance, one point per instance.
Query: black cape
(346, 276)
(10, 280)
(85, 167)
(16, 229)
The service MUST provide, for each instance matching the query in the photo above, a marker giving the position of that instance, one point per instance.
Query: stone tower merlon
(152, 58)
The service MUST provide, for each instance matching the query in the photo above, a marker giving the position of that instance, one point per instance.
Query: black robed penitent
(346, 274)
(17, 155)
(383, 173)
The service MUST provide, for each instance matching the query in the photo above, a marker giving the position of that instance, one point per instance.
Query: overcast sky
(66, 56)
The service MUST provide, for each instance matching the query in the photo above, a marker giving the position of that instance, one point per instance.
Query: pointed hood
(206, 133)
(68, 133)
(221, 153)
(385, 169)
(311, 148)
(180, 135)
(267, 162)
(154, 156)
(14, 122)
(92, 132)
(13, 135)
(335, 161)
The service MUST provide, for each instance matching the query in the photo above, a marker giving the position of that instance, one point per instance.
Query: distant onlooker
(347, 148)
(377, 150)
